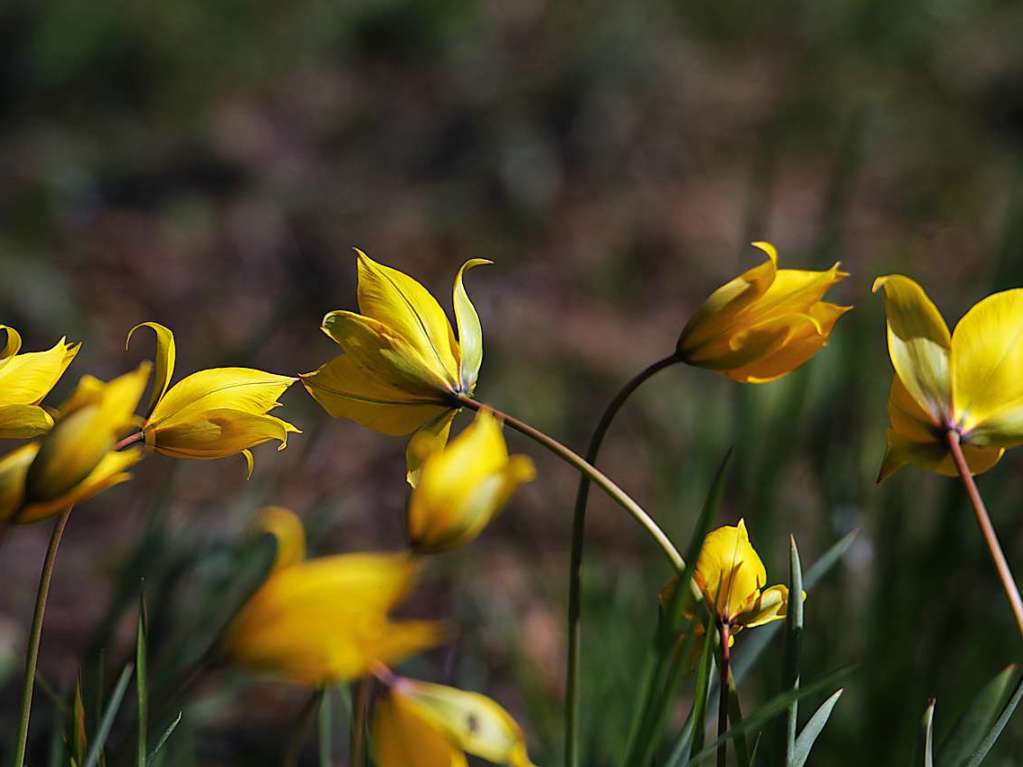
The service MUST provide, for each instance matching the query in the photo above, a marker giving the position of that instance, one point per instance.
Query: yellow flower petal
(347, 390)
(426, 441)
(12, 342)
(401, 738)
(987, 371)
(470, 332)
(110, 471)
(286, 528)
(163, 364)
(25, 379)
(463, 486)
(213, 434)
(729, 571)
(23, 421)
(405, 306)
(243, 389)
(772, 605)
(918, 344)
(13, 468)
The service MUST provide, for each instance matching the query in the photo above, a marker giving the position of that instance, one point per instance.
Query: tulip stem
(35, 637)
(986, 528)
(724, 632)
(131, 439)
(572, 677)
(571, 457)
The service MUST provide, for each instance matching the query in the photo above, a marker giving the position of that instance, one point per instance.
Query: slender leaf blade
(964, 737)
(793, 640)
(991, 738)
(814, 727)
(96, 750)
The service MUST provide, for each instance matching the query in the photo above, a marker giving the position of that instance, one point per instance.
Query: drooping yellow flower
(764, 323)
(25, 379)
(463, 486)
(418, 724)
(731, 577)
(213, 413)
(75, 460)
(968, 381)
(402, 364)
(326, 620)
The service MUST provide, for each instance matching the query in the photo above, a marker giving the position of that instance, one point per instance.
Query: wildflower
(212, 413)
(76, 459)
(764, 323)
(463, 486)
(731, 578)
(25, 379)
(966, 382)
(402, 366)
(429, 725)
(326, 620)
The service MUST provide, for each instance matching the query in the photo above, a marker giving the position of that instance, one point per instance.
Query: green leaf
(141, 690)
(737, 733)
(804, 743)
(991, 738)
(162, 740)
(79, 738)
(793, 640)
(326, 729)
(928, 728)
(699, 712)
(957, 746)
(775, 706)
(108, 716)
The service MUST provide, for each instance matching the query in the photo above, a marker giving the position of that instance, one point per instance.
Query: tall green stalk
(35, 637)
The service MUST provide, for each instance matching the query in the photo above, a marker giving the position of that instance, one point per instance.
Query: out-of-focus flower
(326, 620)
(764, 323)
(463, 486)
(429, 725)
(76, 459)
(968, 381)
(25, 379)
(214, 413)
(402, 365)
(731, 577)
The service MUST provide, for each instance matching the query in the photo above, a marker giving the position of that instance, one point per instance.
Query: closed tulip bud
(402, 365)
(75, 460)
(326, 620)
(463, 486)
(764, 323)
(213, 413)
(25, 379)
(429, 725)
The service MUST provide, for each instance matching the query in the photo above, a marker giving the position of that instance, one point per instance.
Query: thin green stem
(603, 482)
(572, 677)
(986, 528)
(724, 632)
(35, 637)
(357, 741)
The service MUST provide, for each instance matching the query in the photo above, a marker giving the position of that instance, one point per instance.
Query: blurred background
(211, 165)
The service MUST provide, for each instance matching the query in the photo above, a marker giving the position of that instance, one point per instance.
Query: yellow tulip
(731, 577)
(967, 382)
(402, 364)
(764, 323)
(25, 379)
(326, 620)
(429, 725)
(75, 460)
(213, 413)
(463, 486)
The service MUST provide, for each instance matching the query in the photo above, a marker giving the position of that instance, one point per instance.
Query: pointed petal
(426, 441)
(13, 468)
(987, 360)
(399, 302)
(729, 571)
(217, 434)
(245, 389)
(25, 379)
(289, 535)
(771, 606)
(401, 738)
(12, 343)
(470, 332)
(163, 362)
(23, 421)
(345, 389)
(918, 344)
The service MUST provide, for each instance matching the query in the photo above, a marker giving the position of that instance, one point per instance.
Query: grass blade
(162, 740)
(699, 713)
(928, 728)
(804, 743)
(996, 729)
(793, 639)
(965, 736)
(326, 729)
(141, 691)
(108, 716)
(738, 733)
(79, 737)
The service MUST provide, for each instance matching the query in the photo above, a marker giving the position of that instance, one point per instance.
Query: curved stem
(131, 439)
(986, 528)
(724, 631)
(572, 678)
(35, 637)
(602, 481)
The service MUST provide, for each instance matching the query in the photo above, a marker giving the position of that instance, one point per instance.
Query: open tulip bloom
(213, 413)
(402, 366)
(25, 379)
(764, 323)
